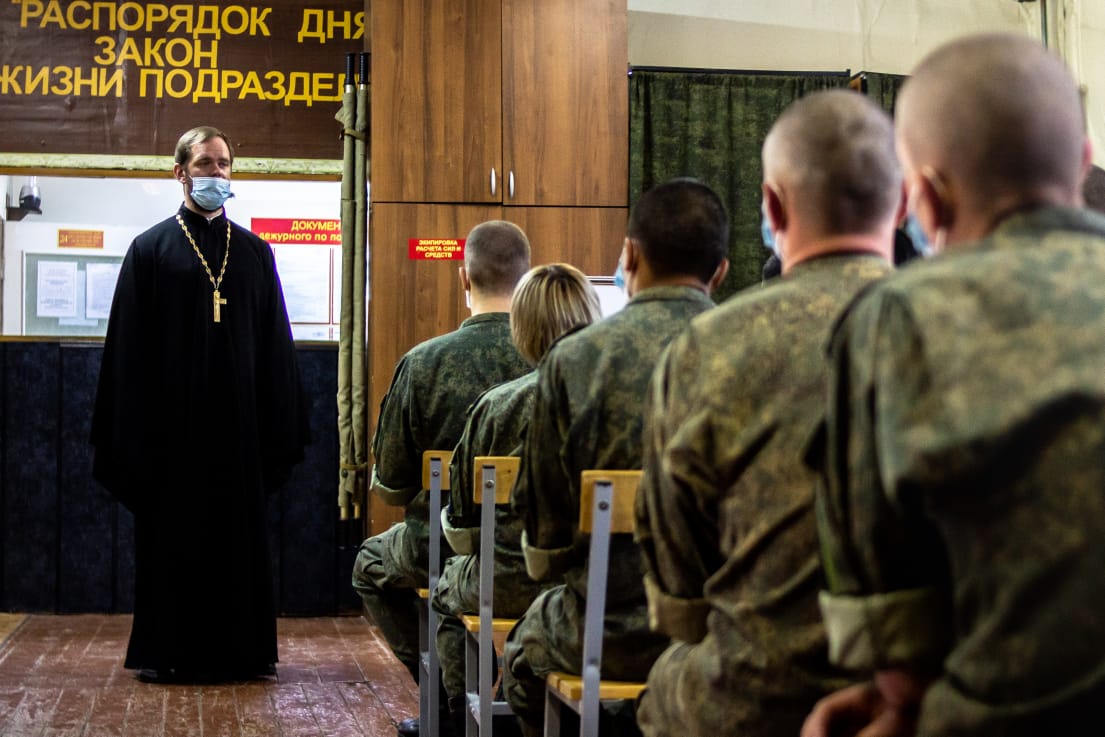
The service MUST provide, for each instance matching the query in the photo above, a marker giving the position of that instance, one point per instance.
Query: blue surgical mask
(619, 276)
(916, 233)
(210, 192)
(768, 236)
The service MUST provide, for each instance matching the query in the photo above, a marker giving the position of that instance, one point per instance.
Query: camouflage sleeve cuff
(391, 497)
(543, 564)
(463, 540)
(884, 630)
(676, 617)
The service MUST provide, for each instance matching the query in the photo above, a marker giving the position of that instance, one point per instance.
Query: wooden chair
(606, 508)
(486, 634)
(435, 477)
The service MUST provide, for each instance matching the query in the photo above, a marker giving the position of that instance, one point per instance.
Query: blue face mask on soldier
(768, 236)
(912, 228)
(210, 192)
(619, 276)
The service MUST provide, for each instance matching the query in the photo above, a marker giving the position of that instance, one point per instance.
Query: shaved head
(496, 255)
(998, 116)
(832, 156)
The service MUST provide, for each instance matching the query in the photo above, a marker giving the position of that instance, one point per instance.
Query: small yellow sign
(80, 238)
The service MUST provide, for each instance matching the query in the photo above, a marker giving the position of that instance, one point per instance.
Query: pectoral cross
(217, 301)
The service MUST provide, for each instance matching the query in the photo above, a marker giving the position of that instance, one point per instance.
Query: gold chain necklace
(217, 300)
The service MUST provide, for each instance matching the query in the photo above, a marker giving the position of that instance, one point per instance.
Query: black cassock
(195, 423)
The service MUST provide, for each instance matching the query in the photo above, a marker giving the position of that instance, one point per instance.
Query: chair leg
(553, 706)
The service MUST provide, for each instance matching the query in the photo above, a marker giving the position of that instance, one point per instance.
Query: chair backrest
(497, 476)
(606, 507)
(625, 485)
(435, 478)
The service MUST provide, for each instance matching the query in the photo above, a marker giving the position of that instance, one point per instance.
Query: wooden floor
(63, 676)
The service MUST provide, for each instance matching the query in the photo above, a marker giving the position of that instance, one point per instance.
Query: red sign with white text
(298, 231)
(435, 249)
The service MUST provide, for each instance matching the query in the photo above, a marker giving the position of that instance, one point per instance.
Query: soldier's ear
(465, 282)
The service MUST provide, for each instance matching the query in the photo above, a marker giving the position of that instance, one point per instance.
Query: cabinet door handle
(492, 181)
(510, 184)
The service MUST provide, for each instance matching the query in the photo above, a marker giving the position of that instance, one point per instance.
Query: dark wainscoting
(66, 546)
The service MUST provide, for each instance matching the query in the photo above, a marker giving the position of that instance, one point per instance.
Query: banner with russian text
(127, 78)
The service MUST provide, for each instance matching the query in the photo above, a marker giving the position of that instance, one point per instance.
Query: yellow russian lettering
(309, 17)
(326, 87)
(258, 21)
(207, 85)
(52, 14)
(157, 75)
(227, 21)
(92, 83)
(107, 52)
(198, 54)
(358, 22)
(207, 22)
(277, 79)
(116, 80)
(99, 10)
(129, 52)
(41, 80)
(231, 80)
(155, 13)
(8, 82)
(296, 80)
(71, 15)
(151, 52)
(321, 237)
(137, 23)
(346, 24)
(65, 85)
(252, 86)
(28, 10)
(184, 88)
(178, 52)
(182, 16)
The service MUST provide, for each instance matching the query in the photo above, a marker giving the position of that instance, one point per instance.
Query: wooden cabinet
(436, 100)
(488, 109)
(565, 102)
(510, 101)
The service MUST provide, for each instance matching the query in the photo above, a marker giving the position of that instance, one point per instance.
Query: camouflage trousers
(458, 592)
(709, 689)
(386, 575)
(549, 637)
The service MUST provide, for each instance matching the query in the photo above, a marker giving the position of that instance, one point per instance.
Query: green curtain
(883, 88)
(710, 126)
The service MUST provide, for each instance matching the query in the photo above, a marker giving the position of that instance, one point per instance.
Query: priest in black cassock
(199, 416)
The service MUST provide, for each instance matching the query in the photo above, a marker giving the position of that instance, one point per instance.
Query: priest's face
(210, 158)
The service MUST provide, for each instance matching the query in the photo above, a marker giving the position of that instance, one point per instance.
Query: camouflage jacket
(725, 512)
(588, 414)
(425, 406)
(963, 517)
(495, 426)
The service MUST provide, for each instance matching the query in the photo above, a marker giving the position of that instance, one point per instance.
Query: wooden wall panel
(589, 238)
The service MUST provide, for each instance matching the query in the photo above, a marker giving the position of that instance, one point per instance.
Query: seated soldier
(725, 512)
(549, 301)
(963, 513)
(424, 410)
(587, 414)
